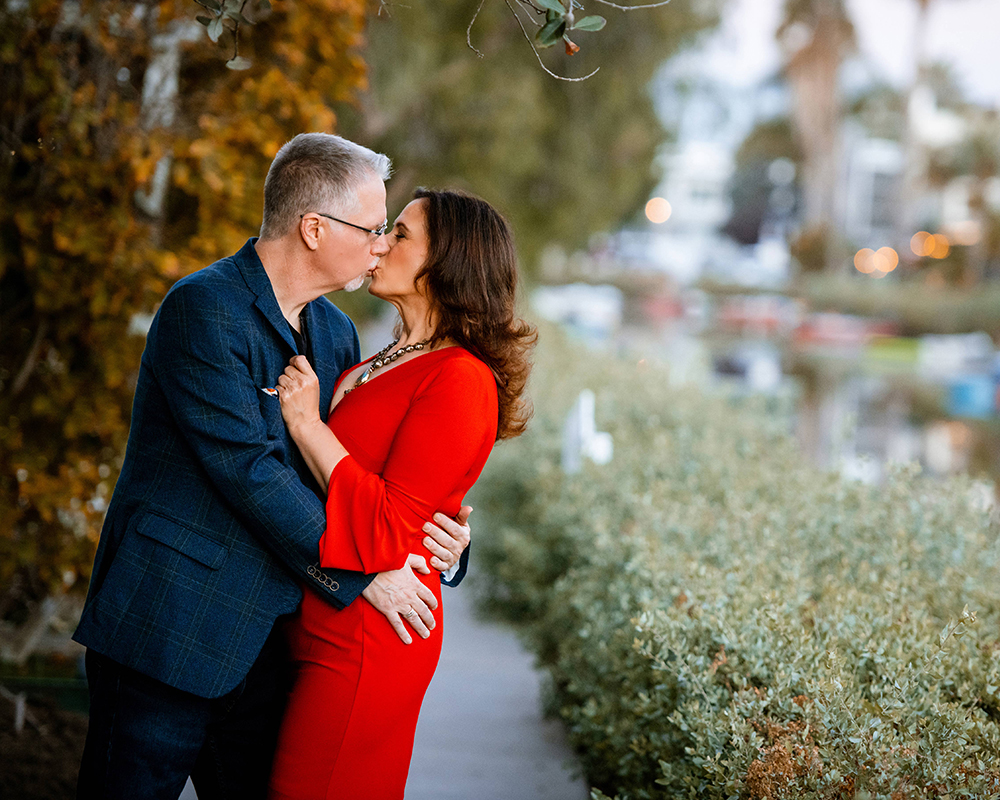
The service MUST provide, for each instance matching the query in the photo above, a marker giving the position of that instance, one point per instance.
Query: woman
(409, 432)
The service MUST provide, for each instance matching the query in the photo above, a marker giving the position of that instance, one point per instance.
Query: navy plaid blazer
(215, 519)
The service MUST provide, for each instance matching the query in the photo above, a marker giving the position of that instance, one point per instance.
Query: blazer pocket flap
(184, 540)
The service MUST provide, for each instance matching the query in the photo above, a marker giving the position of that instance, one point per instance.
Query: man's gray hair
(316, 172)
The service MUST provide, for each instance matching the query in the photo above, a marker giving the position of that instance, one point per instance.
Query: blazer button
(334, 585)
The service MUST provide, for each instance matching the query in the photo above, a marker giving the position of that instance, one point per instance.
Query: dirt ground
(41, 762)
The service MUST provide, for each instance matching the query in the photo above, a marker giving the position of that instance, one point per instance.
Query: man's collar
(252, 269)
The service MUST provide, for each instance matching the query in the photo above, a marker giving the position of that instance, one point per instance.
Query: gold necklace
(381, 360)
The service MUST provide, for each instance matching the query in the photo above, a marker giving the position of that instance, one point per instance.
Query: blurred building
(717, 230)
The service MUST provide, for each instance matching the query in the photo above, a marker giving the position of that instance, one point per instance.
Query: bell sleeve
(445, 437)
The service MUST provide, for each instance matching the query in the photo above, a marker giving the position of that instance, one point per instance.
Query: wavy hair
(471, 274)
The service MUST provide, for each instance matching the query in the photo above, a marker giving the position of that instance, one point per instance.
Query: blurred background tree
(750, 186)
(816, 36)
(562, 160)
(130, 157)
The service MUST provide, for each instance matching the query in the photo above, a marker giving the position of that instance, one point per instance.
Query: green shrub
(721, 620)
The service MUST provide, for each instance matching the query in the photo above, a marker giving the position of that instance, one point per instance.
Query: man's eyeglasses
(376, 232)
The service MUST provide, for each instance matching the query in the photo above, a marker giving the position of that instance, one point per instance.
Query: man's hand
(400, 595)
(447, 542)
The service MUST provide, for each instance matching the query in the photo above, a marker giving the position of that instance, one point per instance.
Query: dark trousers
(145, 738)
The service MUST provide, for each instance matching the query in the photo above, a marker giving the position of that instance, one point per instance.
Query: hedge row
(722, 620)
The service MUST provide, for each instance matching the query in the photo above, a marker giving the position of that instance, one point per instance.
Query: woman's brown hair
(471, 275)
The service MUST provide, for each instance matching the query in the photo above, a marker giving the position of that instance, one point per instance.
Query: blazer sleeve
(201, 362)
(443, 441)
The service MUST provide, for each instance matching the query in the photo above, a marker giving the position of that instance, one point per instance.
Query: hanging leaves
(559, 20)
(552, 31)
(228, 15)
(554, 20)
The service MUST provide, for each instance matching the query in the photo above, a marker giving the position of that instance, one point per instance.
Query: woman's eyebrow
(402, 225)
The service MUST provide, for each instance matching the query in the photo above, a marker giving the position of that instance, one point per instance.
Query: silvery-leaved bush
(721, 620)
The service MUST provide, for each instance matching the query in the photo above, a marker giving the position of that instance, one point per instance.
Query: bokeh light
(864, 260)
(658, 210)
(886, 259)
(877, 263)
(941, 246)
(922, 243)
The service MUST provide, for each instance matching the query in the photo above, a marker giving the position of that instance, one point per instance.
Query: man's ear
(311, 230)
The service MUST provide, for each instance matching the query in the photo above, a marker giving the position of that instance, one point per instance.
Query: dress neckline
(387, 372)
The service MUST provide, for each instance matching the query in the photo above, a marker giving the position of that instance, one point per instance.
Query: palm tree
(815, 36)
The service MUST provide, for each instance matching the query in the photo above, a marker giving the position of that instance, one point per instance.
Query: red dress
(418, 436)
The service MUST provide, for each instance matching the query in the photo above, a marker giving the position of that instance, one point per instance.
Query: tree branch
(532, 6)
(31, 361)
(468, 31)
(633, 8)
(531, 44)
(236, 34)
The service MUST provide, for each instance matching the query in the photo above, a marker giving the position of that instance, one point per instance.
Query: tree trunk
(812, 71)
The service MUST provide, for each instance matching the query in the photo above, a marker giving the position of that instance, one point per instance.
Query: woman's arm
(298, 391)
(441, 444)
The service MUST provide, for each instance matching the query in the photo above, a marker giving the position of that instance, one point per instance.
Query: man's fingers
(460, 532)
(463, 515)
(446, 542)
(439, 565)
(443, 553)
(421, 620)
(302, 364)
(418, 564)
(430, 601)
(404, 600)
(397, 625)
(421, 611)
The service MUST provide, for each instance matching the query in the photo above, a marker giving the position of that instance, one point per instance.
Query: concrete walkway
(481, 734)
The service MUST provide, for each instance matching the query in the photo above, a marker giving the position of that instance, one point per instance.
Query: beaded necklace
(381, 360)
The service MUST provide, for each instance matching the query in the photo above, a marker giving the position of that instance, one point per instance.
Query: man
(215, 520)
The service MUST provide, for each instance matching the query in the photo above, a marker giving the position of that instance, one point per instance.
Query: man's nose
(381, 245)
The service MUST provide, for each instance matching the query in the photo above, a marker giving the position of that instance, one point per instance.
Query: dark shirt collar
(252, 269)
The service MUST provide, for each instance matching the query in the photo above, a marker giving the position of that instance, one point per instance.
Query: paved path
(481, 734)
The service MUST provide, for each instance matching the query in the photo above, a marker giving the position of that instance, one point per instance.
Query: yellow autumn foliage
(80, 262)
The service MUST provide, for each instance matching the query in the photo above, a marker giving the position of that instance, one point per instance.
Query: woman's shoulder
(458, 365)
(459, 360)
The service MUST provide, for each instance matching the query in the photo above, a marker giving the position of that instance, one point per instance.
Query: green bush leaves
(721, 620)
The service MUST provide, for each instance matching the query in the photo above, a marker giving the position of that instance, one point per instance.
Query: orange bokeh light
(658, 210)
(922, 243)
(886, 259)
(864, 260)
(941, 246)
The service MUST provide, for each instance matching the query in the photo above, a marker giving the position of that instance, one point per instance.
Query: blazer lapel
(326, 369)
(256, 279)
